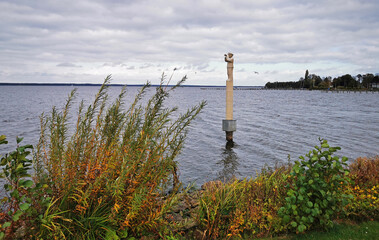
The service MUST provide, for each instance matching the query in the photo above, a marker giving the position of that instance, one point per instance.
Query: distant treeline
(313, 81)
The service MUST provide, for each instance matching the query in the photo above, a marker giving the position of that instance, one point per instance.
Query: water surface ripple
(270, 125)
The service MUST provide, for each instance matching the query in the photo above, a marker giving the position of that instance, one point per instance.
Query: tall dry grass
(364, 187)
(110, 178)
(247, 208)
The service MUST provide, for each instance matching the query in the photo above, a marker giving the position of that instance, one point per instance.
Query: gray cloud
(132, 35)
(68, 65)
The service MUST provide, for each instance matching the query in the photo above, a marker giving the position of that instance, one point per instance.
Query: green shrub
(25, 200)
(316, 193)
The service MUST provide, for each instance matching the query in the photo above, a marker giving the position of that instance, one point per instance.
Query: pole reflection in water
(229, 161)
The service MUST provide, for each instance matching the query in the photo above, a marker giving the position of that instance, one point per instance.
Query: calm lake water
(270, 125)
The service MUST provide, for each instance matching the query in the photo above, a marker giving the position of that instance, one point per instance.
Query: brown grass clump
(365, 171)
(364, 189)
(248, 207)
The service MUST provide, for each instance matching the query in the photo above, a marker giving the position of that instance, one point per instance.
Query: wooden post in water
(228, 124)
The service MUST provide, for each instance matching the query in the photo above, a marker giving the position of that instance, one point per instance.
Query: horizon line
(114, 84)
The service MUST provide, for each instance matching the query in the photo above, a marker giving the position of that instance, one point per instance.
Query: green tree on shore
(313, 81)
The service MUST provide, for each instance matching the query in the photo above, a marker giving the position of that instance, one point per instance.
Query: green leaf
(25, 175)
(20, 166)
(301, 228)
(294, 224)
(27, 183)
(4, 161)
(325, 145)
(111, 235)
(310, 204)
(286, 219)
(28, 146)
(3, 139)
(19, 139)
(24, 206)
(17, 215)
(15, 194)
(6, 224)
(123, 233)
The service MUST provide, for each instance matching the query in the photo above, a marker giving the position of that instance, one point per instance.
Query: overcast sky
(82, 41)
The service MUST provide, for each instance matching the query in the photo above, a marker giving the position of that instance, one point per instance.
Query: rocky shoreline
(184, 214)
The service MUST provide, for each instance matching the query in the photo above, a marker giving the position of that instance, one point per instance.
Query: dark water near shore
(270, 125)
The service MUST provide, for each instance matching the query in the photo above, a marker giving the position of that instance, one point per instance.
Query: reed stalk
(112, 175)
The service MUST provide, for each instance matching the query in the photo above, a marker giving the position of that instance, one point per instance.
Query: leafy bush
(307, 195)
(110, 179)
(316, 193)
(25, 200)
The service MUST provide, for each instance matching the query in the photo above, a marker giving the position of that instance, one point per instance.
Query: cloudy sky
(82, 41)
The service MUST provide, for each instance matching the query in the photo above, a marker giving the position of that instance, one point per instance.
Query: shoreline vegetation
(123, 85)
(365, 82)
(115, 177)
